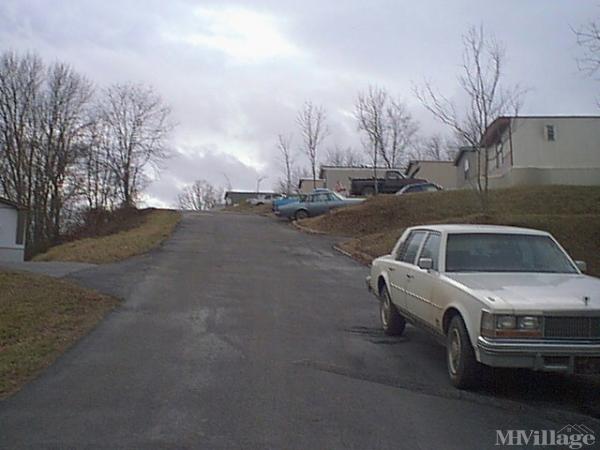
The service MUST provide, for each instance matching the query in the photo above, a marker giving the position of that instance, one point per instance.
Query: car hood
(533, 291)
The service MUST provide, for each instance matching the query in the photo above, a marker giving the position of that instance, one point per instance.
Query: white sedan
(497, 296)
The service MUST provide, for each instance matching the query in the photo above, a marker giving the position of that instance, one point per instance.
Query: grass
(570, 213)
(156, 226)
(40, 318)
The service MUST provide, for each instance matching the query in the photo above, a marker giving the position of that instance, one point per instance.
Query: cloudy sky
(236, 73)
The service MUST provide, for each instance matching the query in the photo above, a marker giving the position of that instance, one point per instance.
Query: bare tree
(21, 80)
(369, 112)
(435, 147)
(199, 196)
(388, 125)
(588, 38)
(487, 97)
(284, 145)
(61, 112)
(311, 120)
(340, 156)
(138, 123)
(401, 130)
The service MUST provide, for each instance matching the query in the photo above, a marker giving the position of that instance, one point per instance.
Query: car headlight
(529, 323)
(506, 322)
(504, 325)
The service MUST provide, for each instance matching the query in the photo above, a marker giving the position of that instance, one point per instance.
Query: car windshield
(497, 252)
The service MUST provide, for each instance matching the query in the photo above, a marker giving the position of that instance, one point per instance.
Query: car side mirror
(581, 265)
(425, 263)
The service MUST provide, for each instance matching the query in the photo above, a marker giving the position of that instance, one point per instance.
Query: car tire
(463, 369)
(392, 322)
(368, 192)
(301, 214)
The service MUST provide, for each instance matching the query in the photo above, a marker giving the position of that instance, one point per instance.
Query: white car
(497, 296)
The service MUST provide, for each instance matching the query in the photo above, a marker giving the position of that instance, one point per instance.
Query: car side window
(431, 249)
(409, 249)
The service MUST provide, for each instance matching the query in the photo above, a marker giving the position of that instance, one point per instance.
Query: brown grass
(40, 318)
(156, 226)
(570, 213)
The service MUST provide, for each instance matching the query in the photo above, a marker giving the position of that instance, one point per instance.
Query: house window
(550, 133)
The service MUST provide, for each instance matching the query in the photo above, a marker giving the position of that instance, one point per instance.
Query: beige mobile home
(543, 150)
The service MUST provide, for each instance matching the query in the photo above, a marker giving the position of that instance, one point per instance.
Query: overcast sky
(236, 73)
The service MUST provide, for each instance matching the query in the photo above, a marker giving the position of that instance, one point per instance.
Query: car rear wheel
(463, 368)
(392, 322)
(301, 214)
(368, 192)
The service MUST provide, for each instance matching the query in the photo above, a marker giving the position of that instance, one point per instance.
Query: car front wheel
(301, 214)
(392, 322)
(463, 368)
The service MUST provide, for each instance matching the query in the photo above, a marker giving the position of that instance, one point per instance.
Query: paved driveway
(242, 333)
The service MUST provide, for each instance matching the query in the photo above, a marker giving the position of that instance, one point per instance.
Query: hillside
(570, 213)
(136, 234)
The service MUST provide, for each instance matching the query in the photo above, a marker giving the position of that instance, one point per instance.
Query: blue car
(318, 202)
(287, 200)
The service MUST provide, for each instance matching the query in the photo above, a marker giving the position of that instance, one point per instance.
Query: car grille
(572, 327)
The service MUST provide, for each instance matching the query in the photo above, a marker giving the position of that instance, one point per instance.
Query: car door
(420, 282)
(318, 204)
(334, 201)
(401, 267)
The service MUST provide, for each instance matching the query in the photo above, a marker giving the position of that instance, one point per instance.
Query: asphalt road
(243, 333)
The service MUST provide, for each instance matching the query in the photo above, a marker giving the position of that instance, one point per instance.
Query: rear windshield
(496, 252)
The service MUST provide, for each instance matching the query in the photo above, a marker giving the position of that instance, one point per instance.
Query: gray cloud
(235, 73)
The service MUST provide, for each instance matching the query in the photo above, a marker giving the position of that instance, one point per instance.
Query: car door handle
(408, 275)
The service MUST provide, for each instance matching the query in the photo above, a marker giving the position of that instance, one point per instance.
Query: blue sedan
(317, 203)
(288, 199)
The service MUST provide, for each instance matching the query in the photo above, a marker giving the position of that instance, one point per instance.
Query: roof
(8, 202)
(476, 228)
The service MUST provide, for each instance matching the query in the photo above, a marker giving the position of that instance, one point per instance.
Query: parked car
(494, 296)
(390, 184)
(318, 202)
(419, 187)
(263, 199)
(288, 199)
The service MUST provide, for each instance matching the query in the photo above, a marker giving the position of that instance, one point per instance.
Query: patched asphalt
(242, 333)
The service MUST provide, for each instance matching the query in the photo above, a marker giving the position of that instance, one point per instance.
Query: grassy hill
(570, 213)
(136, 235)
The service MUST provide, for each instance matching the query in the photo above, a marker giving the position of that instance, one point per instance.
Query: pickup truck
(390, 184)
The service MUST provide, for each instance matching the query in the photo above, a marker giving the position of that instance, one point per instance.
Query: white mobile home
(538, 150)
(12, 232)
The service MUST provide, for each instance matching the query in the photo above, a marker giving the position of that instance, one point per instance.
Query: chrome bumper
(575, 356)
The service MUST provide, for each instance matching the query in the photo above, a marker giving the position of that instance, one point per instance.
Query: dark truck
(392, 183)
